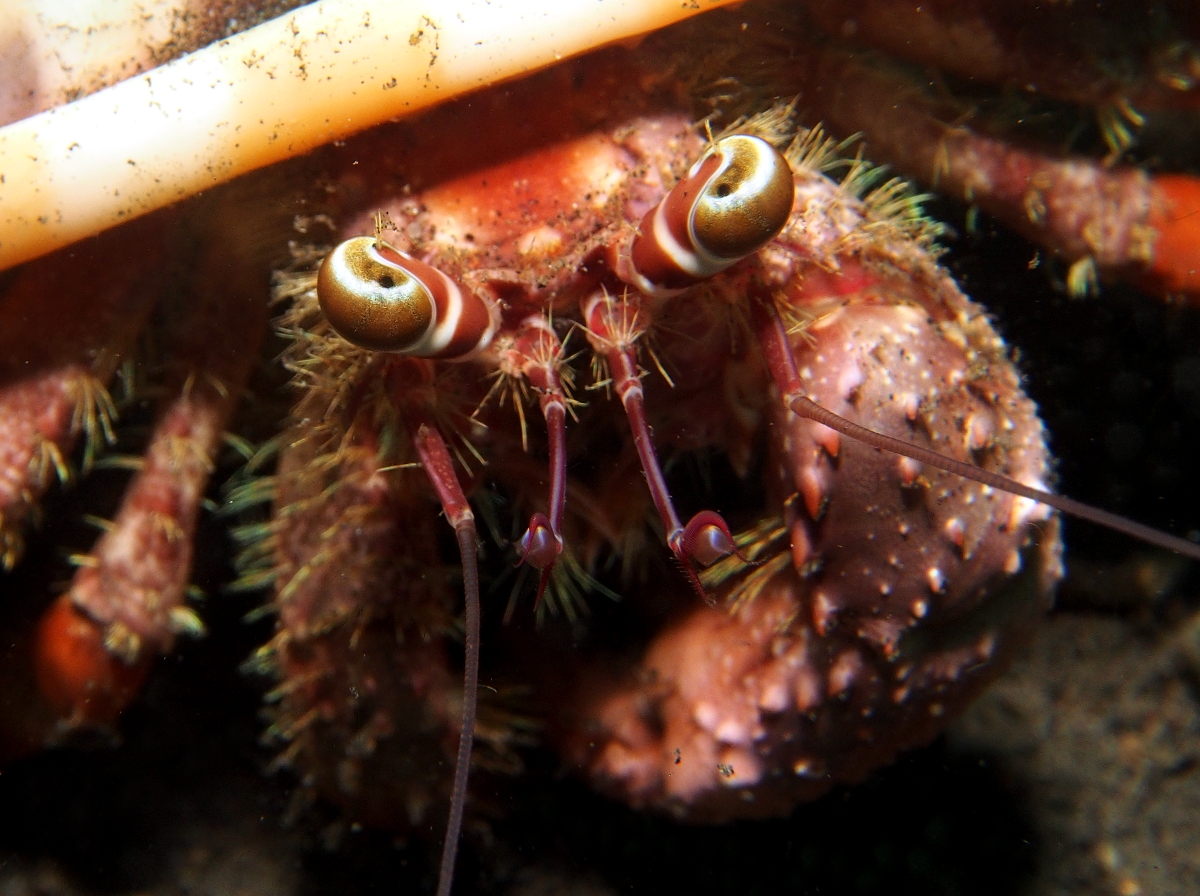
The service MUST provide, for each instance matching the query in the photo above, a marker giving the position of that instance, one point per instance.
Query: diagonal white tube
(320, 73)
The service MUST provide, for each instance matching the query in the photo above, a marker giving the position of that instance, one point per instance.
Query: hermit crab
(665, 293)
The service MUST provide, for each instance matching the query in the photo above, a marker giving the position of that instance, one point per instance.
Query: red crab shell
(628, 704)
(880, 596)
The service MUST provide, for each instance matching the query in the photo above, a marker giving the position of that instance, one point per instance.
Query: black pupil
(722, 190)
(386, 281)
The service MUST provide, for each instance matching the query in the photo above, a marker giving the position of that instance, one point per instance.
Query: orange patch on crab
(76, 673)
(1175, 216)
(515, 199)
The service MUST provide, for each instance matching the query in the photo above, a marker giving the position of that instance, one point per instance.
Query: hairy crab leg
(772, 336)
(1085, 55)
(538, 357)
(1115, 220)
(129, 596)
(55, 366)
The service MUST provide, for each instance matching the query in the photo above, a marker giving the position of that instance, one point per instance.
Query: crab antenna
(435, 459)
(773, 337)
(613, 328)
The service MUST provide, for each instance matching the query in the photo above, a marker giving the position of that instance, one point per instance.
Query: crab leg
(614, 326)
(1083, 53)
(130, 592)
(733, 200)
(539, 358)
(56, 361)
(1118, 220)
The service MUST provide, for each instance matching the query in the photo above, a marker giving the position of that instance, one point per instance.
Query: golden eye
(371, 300)
(746, 201)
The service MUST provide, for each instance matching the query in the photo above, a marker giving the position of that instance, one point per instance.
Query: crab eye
(746, 202)
(384, 300)
(732, 202)
(371, 300)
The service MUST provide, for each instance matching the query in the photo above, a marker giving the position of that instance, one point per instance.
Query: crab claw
(702, 542)
(541, 546)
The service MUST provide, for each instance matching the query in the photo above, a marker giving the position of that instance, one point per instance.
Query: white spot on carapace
(1012, 563)
(980, 428)
(843, 672)
(823, 611)
(731, 731)
(909, 470)
(986, 646)
(773, 697)
(633, 767)
(955, 530)
(540, 242)
(909, 404)
(936, 579)
(919, 609)
(1025, 511)
(885, 589)
(850, 377)
(706, 716)
(807, 689)
(804, 768)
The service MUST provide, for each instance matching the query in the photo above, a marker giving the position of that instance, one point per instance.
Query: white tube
(315, 75)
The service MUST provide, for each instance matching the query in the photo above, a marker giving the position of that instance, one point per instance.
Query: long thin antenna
(462, 768)
(439, 467)
(806, 407)
(772, 337)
